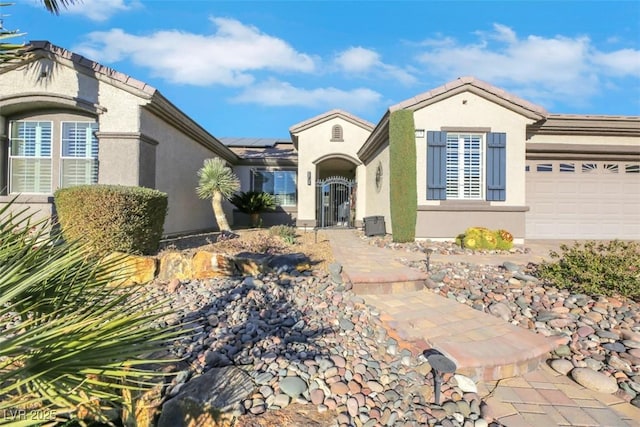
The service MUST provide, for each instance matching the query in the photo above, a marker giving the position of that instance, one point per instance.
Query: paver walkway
(529, 394)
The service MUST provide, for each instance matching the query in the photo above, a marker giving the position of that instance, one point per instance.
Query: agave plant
(253, 203)
(69, 342)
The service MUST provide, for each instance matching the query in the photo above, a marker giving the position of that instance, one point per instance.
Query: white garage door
(583, 200)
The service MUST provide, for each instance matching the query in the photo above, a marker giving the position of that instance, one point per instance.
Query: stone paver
(531, 394)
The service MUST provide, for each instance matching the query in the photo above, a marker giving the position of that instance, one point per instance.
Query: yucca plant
(253, 203)
(70, 343)
(216, 181)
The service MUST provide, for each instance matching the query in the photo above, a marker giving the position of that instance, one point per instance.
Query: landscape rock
(595, 381)
(219, 389)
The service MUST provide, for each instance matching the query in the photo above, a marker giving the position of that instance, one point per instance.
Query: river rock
(293, 386)
(562, 366)
(595, 381)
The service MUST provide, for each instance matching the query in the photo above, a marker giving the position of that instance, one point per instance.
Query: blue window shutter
(436, 165)
(497, 166)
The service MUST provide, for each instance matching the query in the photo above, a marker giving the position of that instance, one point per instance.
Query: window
(30, 157)
(567, 167)
(282, 184)
(632, 168)
(79, 158)
(336, 133)
(464, 166)
(544, 167)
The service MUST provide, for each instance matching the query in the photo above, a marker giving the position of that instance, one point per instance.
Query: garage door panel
(600, 204)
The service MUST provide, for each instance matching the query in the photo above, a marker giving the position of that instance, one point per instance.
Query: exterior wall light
(309, 178)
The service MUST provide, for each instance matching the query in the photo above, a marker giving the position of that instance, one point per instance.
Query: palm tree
(9, 50)
(253, 203)
(54, 6)
(217, 182)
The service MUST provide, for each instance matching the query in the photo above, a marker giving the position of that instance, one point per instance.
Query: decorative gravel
(603, 332)
(304, 339)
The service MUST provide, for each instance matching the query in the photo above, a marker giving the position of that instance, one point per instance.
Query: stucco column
(127, 159)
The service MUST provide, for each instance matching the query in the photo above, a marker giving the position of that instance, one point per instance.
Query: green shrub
(254, 203)
(611, 268)
(402, 175)
(112, 218)
(285, 232)
(483, 238)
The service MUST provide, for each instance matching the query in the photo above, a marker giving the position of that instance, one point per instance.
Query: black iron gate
(335, 202)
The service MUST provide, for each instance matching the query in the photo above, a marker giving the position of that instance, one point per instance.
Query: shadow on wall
(277, 217)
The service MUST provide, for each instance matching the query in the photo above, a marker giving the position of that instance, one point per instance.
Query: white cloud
(546, 69)
(619, 63)
(227, 57)
(280, 94)
(99, 10)
(359, 60)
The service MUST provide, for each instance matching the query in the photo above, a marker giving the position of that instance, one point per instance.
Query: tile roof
(328, 116)
(253, 142)
(95, 67)
(477, 86)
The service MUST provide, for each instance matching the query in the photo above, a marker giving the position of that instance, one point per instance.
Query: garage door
(582, 200)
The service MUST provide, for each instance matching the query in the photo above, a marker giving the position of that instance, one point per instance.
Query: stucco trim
(477, 87)
(13, 104)
(582, 152)
(470, 207)
(127, 135)
(465, 129)
(27, 199)
(565, 124)
(268, 162)
(378, 139)
(337, 156)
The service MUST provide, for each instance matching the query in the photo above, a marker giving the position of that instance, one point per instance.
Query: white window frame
(463, 190)
(13, 156)
(93, 161)
(279, 201)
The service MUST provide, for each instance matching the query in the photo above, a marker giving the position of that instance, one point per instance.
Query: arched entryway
(336, 190)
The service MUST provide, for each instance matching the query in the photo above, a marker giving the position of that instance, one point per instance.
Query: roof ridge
(474, 82)
(95, 66)
(328, 114)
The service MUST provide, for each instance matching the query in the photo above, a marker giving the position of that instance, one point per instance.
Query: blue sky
(242, 68)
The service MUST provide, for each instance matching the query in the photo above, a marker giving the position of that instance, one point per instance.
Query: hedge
(112, 217)
(402, 176)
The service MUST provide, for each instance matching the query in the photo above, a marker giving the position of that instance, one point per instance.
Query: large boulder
(205, 265)
(124, 269)
(203, 399)
(174, 265)
(251, 264)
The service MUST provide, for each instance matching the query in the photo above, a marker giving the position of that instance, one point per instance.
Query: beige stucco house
(66, 120)
(484, 157)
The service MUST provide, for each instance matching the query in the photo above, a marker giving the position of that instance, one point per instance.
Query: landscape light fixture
(440, 364)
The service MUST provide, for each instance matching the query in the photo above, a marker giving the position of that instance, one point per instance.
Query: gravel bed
(603, 333)
(304, 339)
